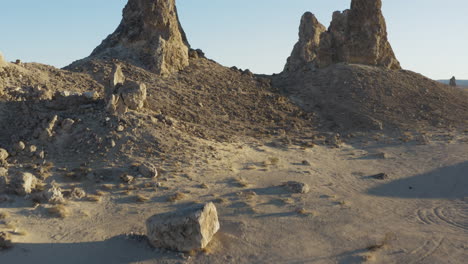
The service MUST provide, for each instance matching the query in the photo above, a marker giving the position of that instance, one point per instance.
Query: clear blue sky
(428, 36)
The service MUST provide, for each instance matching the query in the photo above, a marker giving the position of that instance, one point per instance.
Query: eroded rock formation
(3, 63)
(357, 35)
(453, 82)
(122, 94)
(306, 49)
(150, 35)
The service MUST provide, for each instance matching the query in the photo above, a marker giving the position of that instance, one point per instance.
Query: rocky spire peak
(306, 48)
(150, 35)
(357, 35)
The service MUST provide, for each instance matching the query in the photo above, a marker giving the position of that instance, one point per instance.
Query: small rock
(23, 183)
(133, 95)
(380, 155)
(90, 95)
(116, 80)
(184, 230)
(127, 178)
(3, 154)
(5, 198)
(5, 241)
(380, 176)
(40, 154)
(297, 187)
(67, 124)
(20, 146)
(148, 171)
(193, 54)
(32, 149)
(54, 195)
(77, 193)
(120, 128)
(306, 163)
(3, 179)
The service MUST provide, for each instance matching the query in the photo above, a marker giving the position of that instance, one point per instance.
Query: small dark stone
(380, 176)
(5, 241)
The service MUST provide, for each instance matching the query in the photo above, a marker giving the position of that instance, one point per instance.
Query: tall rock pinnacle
(150, 35)
(306, 49)
(357, 35)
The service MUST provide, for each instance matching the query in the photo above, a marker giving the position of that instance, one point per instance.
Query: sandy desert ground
(417, 215)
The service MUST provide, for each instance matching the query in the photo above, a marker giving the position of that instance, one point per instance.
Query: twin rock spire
(357, 35)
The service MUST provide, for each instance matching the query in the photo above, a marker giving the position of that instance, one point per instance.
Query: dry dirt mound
(60, 115)
(357, 97)
(212, 101)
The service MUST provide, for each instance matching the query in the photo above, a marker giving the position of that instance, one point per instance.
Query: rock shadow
(119, 249)
(449, 182)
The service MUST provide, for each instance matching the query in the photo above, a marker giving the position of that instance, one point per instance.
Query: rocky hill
(350, 76)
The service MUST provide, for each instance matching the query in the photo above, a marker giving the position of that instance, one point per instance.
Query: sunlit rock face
(150, 36)
(357, 35)
(306, 48)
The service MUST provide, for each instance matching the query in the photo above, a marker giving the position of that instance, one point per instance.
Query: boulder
(115, 105)
(19, 146)
(77, 194)
(150, 35)
(48, 131)
(306, 48)
(148, 171)
(23, 183)
(3, 154)
(5, 241)
(133, 95)
(297, 187)
(122, 94)
(184, 230)
(54, 195)
(67, 124)
(453, 82)
(116, 79)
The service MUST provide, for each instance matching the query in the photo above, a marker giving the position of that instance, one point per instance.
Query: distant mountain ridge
(459, 82)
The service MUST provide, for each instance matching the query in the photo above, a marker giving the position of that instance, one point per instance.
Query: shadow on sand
(118, 249)
(447, 183)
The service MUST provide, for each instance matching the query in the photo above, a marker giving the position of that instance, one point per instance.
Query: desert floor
(418, 215)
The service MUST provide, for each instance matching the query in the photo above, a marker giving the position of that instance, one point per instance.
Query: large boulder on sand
(150, 35)
(185, 230)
